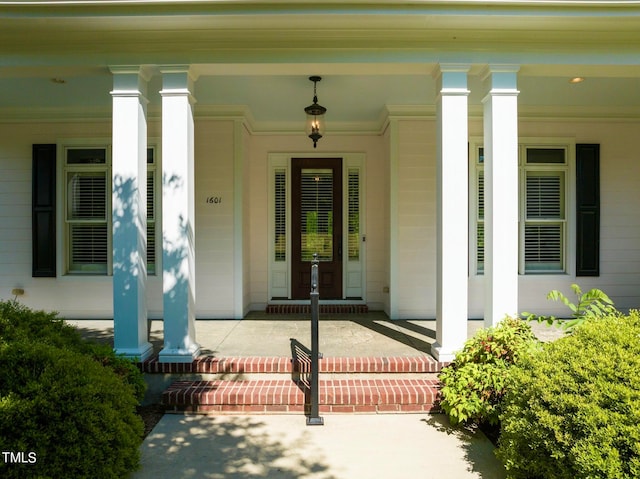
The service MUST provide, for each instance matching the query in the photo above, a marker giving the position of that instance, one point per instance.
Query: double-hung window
(87, 209)
(87, 215)
(543, 221)
(543, 176)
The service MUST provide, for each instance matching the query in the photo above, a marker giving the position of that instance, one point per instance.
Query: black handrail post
(314, 418)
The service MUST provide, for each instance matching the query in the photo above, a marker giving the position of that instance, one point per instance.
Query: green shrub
(593, 304)
(69, 401)
(474, 383)
(75, 415)
(19, 323)
(573, 409)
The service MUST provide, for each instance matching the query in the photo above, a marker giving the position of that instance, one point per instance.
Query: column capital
(130, 81)
(178, 69)
(143, 71)
(451, 79)
(441, 68)
(500, 79)
(177, 80)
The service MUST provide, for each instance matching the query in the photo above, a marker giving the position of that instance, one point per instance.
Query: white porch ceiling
(257, 55)
(354, 101)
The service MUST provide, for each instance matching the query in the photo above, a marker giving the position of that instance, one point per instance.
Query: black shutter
(588, 210)
(43, 211)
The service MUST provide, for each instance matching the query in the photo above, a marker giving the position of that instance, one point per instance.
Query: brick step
(324, 309)
(247, 365)
(384, 395)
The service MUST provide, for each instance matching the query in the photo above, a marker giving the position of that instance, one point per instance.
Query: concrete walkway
(399, 446)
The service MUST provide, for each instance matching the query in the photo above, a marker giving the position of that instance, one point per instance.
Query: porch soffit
(207, 31)
(373, 55)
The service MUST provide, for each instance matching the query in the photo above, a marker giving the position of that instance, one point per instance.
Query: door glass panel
(316, 210)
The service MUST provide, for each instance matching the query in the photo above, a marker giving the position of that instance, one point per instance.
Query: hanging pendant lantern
(315, 115)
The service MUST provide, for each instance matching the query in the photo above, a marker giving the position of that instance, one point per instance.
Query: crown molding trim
(373, 127)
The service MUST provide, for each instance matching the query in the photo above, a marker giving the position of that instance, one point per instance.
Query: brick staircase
(259, 385)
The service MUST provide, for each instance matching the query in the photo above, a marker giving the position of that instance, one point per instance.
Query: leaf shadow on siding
(129, 242)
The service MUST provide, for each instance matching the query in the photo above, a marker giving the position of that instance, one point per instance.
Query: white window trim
(61, 198)
(63, 224)
(569, 248)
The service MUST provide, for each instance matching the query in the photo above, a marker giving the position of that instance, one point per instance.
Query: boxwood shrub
(69, 403)
(573, 409)
(474, 383)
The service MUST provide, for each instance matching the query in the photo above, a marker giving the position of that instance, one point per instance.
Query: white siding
(91, 297)
(71, 296)
(214, 160)
(416, 219)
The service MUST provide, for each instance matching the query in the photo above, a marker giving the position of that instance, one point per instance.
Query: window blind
(89, 247)
(280, 221)
(87, 217)
(87, 196)
(544, 196)
(316, 211)
(354, 214)
(543, 247)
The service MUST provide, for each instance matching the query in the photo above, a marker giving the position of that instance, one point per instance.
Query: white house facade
(154, 163)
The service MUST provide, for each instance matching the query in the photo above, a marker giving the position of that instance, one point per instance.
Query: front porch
(258, 364)
(260, 334)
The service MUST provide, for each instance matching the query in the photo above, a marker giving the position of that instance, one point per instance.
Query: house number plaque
(214, 200)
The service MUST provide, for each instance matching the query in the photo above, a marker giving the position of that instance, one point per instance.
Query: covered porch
(466, 137)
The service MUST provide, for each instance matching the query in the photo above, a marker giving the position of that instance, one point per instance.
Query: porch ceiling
(257, 55)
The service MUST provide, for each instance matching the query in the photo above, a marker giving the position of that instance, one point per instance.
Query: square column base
(141, 353)
(441, 354)
(179, 355)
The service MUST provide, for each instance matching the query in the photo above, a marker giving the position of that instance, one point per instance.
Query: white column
(452, 211)
(500, 193)
(129, 212)
(178, 216)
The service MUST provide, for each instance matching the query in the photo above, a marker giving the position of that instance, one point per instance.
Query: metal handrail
(314, 418)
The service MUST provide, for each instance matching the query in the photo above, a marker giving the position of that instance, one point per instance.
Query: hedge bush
(474, 383)
(19, 323)
(573, 409)
(70, 402)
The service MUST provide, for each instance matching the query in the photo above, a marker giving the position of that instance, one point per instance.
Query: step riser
(306, 410)
(172, 377)
(261, 385)
(281, 396)
(274, 365)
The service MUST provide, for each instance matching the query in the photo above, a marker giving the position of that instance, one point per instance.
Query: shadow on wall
(129, 229)
(130, 250)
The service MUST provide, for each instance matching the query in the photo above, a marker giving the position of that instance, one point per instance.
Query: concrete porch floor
(261, 334)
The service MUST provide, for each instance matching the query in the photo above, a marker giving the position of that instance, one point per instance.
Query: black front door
(316, 225)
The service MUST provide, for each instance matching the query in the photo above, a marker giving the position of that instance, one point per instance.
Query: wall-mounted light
(315, 115)
(17, 292)
(576, 80)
